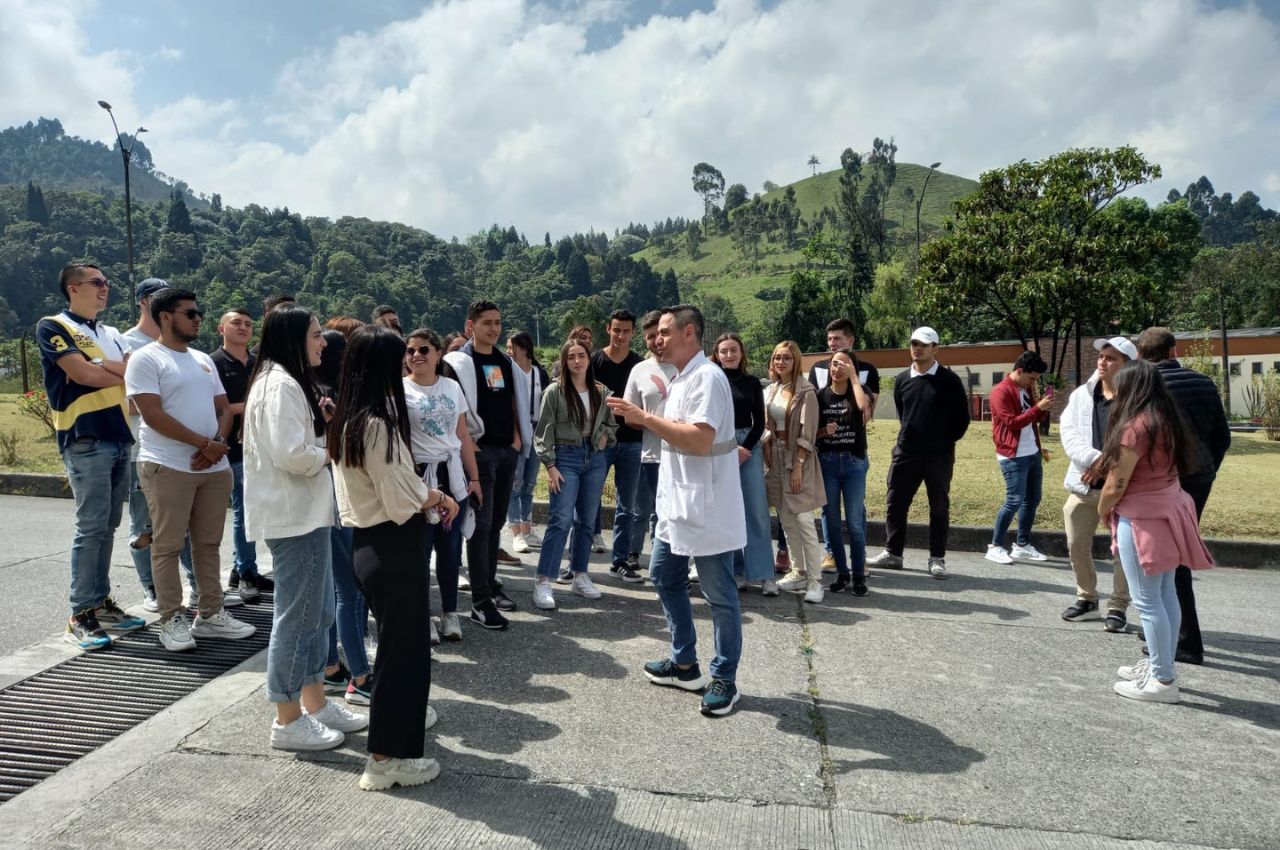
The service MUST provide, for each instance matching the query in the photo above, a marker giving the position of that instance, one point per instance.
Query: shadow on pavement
(1264, 714)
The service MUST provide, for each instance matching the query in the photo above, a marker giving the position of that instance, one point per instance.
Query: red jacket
(1008, 418)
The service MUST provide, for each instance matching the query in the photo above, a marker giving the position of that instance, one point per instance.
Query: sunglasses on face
(410, 351)
(191, 313)
(98, 282)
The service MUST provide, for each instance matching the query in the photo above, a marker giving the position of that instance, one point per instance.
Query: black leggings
(391, 567)
(447, 546)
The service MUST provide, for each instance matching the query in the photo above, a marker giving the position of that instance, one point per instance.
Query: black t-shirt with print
(495, 397)
(850, 436)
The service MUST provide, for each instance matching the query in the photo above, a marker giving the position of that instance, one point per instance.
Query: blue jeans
(625, 460)
(1156, 598)
(844, 475)
(1023, 478)
(520, 509)
(756, 561)
(98, 471)
(670, 575)
(304, 611)
(646, 519)
(575, 506)
(447, 546)
(350, 614)
(140, 523)
(246, 555)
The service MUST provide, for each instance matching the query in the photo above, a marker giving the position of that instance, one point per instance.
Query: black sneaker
(503, 602)
(859, 587)
(840, 585)
(111, 616)
(566, 576)
(1080, 609)
(1115, 622)
(720, 698)
(667, 672)
(486, 614)
(251, 587)
(234, 582)
(633, 561)
(626, 573)
(84, 631)
(336, 683)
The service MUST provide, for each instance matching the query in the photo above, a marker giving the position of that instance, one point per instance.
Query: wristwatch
(218, 439)
(97, 361)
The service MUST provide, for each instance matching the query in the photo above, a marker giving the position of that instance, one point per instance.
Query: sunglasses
(98, 282)
(191, 313)
(410, 351)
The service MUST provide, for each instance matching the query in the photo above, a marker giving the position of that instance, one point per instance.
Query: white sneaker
(464, 581)
(938, 567)
(432, 718)
(1135, 672)
(740, 581)
(886, 559)
(231, 599)
(149, 601)
(582, 586)
(769, 587)
(337, 716)
(1149, 689)
(518, 544)
(221, 625)
(306, 734)
(450, 628)
(435, 633)
(381, 775)
(175, 635)
(794, 581)
(532, 538)
(1028, 553)
(998, 555)
(597, 543)
(693, 574)
(543, 597)
(814, 592)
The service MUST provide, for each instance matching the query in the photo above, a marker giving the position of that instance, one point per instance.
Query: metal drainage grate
(58, 715)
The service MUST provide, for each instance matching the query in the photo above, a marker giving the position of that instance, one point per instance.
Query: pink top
(1163, 516)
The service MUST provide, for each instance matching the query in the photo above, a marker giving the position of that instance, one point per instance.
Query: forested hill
(42, 153)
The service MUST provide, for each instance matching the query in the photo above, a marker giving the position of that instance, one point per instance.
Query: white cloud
(478, 111)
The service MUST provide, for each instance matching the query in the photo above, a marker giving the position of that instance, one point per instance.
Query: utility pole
(126, 154)
(919, 204)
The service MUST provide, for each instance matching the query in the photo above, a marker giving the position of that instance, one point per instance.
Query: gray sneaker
(175, 634)
(381, 775)
(450, 628)
(886, 560)
(221, 625)
(938, 567)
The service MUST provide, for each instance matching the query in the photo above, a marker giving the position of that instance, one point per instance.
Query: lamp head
(104, 105)
(935, 165)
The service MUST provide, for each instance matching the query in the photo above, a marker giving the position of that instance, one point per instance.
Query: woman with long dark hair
(383, 499)
(574, 429)
(1153, 520)
(754, 563)
(842, 456)
(289, 505)
(531, 381)
(445, 456)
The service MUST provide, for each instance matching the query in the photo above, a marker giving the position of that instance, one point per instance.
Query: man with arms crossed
(612, 366)
(699, 506)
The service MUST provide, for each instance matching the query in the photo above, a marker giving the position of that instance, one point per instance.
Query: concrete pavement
(958, 713)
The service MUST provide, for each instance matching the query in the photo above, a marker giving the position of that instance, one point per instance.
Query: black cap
(150, 287)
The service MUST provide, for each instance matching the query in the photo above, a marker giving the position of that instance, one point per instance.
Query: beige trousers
(183, 503)
(1080, 513)
(802, 542)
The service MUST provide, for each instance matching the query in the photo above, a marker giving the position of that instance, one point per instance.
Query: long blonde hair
(791, 346)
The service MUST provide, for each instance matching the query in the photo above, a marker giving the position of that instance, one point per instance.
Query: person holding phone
(1016, 414)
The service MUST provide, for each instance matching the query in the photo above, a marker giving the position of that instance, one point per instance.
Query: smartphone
(1048, 391)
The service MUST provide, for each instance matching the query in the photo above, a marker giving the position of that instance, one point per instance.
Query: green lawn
(1245, 501)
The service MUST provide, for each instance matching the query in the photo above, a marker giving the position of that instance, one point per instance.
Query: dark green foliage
(1223, 221)
(36, 209)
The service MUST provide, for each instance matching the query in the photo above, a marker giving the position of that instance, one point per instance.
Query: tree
(891, 306)
(692, 239)
(735, 197)
(1224, 222)
(718, 315)
(769, 186)
(708, 182)
(215, 203)
(585, 310)
(1033, 251)
(578, 275)
(814, 162)
(36, 211)
(179, 217)
(669, 289)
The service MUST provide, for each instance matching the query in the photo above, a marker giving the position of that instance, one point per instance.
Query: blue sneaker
(84, 631)
(720, 698)
(667, 672)
(113, 617)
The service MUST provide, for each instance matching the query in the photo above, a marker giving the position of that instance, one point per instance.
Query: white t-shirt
(433, 418)
(1027, 437)
(133, 340)
(647, 388)
(585, 398)
(699, 499)
(187, 384)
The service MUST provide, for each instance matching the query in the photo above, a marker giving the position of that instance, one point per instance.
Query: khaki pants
(1081, 516)
(183, 503)
(802, 540)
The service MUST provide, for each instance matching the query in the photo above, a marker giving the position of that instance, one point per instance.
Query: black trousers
(497, 468)
(1189, 637)
(391, 567)
(906, 473)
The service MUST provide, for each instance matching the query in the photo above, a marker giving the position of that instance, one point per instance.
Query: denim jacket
(557, 427)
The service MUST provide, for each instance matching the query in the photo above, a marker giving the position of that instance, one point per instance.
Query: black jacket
(1197, 397)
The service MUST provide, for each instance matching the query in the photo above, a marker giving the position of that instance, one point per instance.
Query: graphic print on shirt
(660, 384)
(493, 378)
(437, 414)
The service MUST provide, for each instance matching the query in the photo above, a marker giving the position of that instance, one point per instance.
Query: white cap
(926, 335)
(1120, 344)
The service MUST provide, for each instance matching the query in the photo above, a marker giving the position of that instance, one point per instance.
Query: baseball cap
(926, 335)
(150, 287)
(1120, 344)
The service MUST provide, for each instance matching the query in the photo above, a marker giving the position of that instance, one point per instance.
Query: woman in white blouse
(385, 501)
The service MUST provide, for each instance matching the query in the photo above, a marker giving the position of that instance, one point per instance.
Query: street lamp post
(126, 154)
(919, 204)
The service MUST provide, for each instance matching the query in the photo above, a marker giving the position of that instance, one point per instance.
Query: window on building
(1235, 370)
(974, 379)
(1276, 366)
(1257, 367)
(996, 377)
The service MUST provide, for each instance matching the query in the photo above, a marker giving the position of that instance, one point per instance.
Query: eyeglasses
(98, 282)
(410, 351)
(191, 313)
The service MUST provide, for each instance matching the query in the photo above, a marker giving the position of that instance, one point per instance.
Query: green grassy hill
(720, 270)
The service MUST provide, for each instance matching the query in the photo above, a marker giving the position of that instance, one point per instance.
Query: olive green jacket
(557, 427)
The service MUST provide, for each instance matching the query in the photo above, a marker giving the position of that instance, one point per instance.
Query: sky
(565, 115)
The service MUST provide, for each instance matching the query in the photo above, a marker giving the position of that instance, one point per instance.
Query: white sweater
(288, 486)
(1076, 430)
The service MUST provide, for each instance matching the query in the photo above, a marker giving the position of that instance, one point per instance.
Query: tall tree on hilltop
(814, 162)
(708, 182)
(37, 211)
(179, 217)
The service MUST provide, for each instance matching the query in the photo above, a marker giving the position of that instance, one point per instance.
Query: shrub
(8, 448)
(1270, 404)
(35, 404)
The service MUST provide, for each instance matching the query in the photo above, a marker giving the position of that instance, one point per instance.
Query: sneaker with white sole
(998, 554)
(306, 734)
(769, 587)
(112, 616)
(435, 632)
(813, 593)
(531, 537)
(886, 560)
(149, 601)
(1135, 672)
(667, 672)
(337, 716)
(519, 544)
(1028, 553)
(175, 634)
(793, 581)
(221, 625)
(432, 718)
(938, 567)
(381, 775)
(450, 628)
(582, 586)
(543, 597)
(84, 631)
(464, 581)
(597, 544)
(1149, 689)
